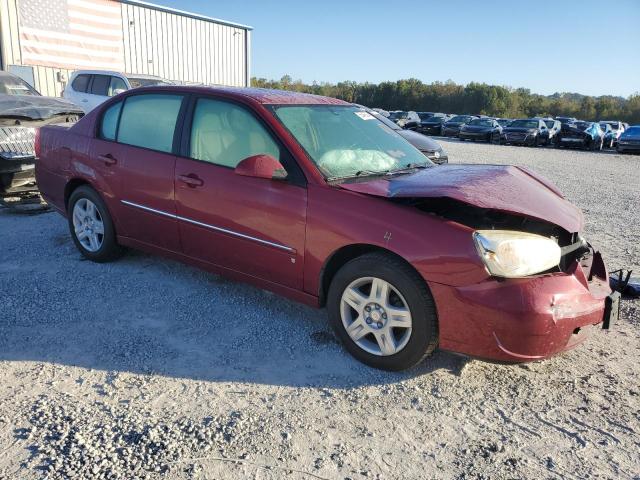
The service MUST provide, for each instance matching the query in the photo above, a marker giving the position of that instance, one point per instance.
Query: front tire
(383, 312)
(91, 226)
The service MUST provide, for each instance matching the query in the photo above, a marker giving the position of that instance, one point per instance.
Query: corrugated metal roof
(183, 13)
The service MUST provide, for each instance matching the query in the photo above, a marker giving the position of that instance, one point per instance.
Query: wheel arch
(344, 254)
(71, 186)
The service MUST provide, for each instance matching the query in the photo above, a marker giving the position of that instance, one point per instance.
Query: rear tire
(399, 334)
(91, 226)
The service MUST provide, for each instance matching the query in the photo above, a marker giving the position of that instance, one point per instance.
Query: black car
(451, 128)
(525, 131)
(426, 145)
(22, 111)
(629, 141)
(485, 129)
(432, 125)
(584, 135)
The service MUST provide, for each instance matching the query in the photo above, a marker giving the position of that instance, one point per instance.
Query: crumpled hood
(35, 107)
(421, 142)
(515, 190)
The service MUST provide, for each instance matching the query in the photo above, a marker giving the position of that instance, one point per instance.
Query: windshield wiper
(385, 173)
(409, 167)
(359, 173)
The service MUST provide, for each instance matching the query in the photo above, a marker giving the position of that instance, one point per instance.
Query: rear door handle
(108, 159)
(191, 180)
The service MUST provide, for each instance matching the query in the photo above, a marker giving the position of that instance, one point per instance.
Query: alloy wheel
(376, 316)
(88, 225)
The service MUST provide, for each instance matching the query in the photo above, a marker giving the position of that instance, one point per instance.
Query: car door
(135, 147)
(251, 225)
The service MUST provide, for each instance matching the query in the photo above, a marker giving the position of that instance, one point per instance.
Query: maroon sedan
(315, 199)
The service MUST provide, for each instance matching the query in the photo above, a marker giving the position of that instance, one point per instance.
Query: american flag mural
(71, 34)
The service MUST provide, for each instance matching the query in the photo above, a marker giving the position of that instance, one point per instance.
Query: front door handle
(192, 180)
(108, 159)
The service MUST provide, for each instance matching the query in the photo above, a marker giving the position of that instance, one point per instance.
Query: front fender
(441, 251)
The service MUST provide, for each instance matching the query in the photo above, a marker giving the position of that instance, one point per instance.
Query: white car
(89, 88)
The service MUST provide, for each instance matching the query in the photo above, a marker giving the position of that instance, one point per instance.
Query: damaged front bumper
(520, 320)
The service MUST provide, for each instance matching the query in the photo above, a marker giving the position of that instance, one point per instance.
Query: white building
(43, 41)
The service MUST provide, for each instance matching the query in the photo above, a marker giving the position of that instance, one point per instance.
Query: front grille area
(515, 136)
(17, 142)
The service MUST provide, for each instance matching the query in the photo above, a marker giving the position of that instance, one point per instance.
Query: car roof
(264, 96)
(113, 72)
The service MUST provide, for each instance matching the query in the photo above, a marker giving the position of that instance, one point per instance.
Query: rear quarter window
(149, 121)
(109, 122)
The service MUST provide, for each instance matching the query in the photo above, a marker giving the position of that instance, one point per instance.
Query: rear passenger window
(149, 121)
(100, 84)
(225, 134)
(80, 83)
(109, 124)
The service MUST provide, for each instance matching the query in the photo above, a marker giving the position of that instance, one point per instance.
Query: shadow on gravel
(146, 315)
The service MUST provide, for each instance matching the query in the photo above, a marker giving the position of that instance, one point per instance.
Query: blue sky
(585, 46)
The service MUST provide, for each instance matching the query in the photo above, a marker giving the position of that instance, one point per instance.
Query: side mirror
(118, 91)
(261, 166)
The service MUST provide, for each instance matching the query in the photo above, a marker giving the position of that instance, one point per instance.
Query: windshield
(524, 124)
(481, 122)
(10, 85)
(632, 131)
(549, 123)
(613, 125)
(504, 121)
(605, 126)
(137, 82)
(460, 119)
(347, 141)
(425, 116)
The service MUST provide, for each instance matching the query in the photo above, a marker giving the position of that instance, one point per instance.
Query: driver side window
(224, 134)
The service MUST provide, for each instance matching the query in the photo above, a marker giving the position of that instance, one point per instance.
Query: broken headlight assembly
(512, 254)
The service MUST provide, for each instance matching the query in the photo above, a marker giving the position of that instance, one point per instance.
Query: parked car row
(559, 132)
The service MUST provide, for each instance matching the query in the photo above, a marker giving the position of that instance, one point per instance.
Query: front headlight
(512, 254)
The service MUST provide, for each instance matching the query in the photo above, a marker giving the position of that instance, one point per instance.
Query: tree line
(473, 98)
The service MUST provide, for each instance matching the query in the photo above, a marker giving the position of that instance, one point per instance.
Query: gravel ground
(146, 368)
